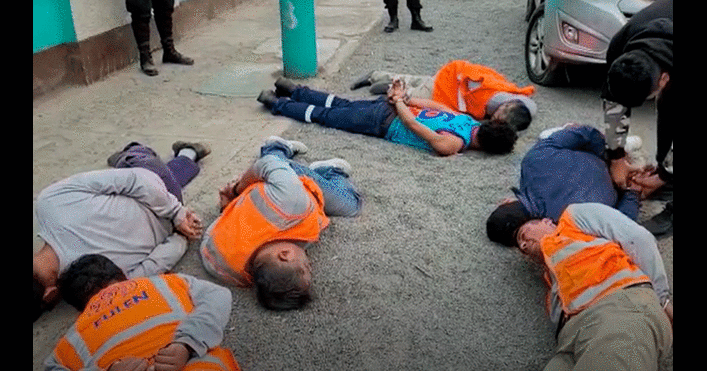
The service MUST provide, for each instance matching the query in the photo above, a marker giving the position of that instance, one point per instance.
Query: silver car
(562, 32)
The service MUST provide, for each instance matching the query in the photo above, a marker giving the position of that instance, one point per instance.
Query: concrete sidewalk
(77, 129)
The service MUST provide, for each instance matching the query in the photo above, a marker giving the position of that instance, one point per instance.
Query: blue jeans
(175, 174)
(368, 117)
(340, 197)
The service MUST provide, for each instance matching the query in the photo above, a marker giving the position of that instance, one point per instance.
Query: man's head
(503, 224)
(514, 113)
(634, 77)
(45, 268)
(86, 277)
(282, 275)
(529, 235)
(496, 138)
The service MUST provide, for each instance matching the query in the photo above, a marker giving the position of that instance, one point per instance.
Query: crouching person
(269, 216)
(162, 322)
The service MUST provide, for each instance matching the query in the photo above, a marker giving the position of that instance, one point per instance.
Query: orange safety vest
(252, 220)
(451, 87)
(137, 318)
(584, 268)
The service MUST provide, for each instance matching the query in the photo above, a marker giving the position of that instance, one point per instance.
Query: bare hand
(129, 364)
(669, 311)
(191, 226)
(650, 182)
(226, 194)
(173, 357)
(396, 90)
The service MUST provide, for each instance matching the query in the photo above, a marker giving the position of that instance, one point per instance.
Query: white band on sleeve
(329, 100)
(308, 113)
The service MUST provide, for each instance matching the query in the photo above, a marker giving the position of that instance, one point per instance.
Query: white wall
(93, 17)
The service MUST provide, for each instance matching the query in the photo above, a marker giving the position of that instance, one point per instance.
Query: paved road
(412, 283)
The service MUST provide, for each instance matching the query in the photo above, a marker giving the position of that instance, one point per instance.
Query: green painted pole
(299, 38)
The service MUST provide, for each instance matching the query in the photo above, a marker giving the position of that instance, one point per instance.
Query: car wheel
(542, 69)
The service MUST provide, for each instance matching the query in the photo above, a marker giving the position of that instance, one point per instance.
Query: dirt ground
(413, 283)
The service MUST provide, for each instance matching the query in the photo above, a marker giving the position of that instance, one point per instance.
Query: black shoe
(417, 22)
(661, 223)
(147, 65)
(362, 81)
(171, 55)
(284, 87)
(267, 98)
(392, 25)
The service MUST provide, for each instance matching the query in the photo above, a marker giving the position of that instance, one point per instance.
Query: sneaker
(202, 149)
(295, 146)
(338, 163)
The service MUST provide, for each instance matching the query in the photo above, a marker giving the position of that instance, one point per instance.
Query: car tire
(541, 68)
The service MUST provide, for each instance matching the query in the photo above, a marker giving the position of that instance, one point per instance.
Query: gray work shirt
(126, 215)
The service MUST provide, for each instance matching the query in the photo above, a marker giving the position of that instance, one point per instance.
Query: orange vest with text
(451, 87)
(134, 318)
(585, 268)
(252, 220)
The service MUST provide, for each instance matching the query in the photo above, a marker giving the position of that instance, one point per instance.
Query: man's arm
(203, 328)
(140, 184)
(444, 144)
(605, 221)
(578, 137)
(429, 103)
(282, 185)
(162, 258)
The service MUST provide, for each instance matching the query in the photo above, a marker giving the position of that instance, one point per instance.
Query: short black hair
(503, 224)
(519, 116)
(496, 137)
(86, 277)
(632, 77)
(279, 288)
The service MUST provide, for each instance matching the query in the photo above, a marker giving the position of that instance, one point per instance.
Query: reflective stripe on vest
(86, 329)
(593, 292)
(272, 215)
(252, 220)
(217, 359)
(584, 268)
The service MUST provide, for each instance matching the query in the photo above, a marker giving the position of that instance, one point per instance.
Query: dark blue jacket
(568, 167)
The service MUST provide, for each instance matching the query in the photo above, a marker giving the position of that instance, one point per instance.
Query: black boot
(171, 55)
(267, 98)
(146, 64)
(393, 24)
(141, 31)
(163, 21)
(417, 22)
(661, 223)
(284, 87)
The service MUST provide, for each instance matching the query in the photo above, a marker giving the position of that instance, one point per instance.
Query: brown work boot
(202, 149)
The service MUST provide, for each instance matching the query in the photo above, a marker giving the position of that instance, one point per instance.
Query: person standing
(141, 12)
(414, 6)
(640, 57)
